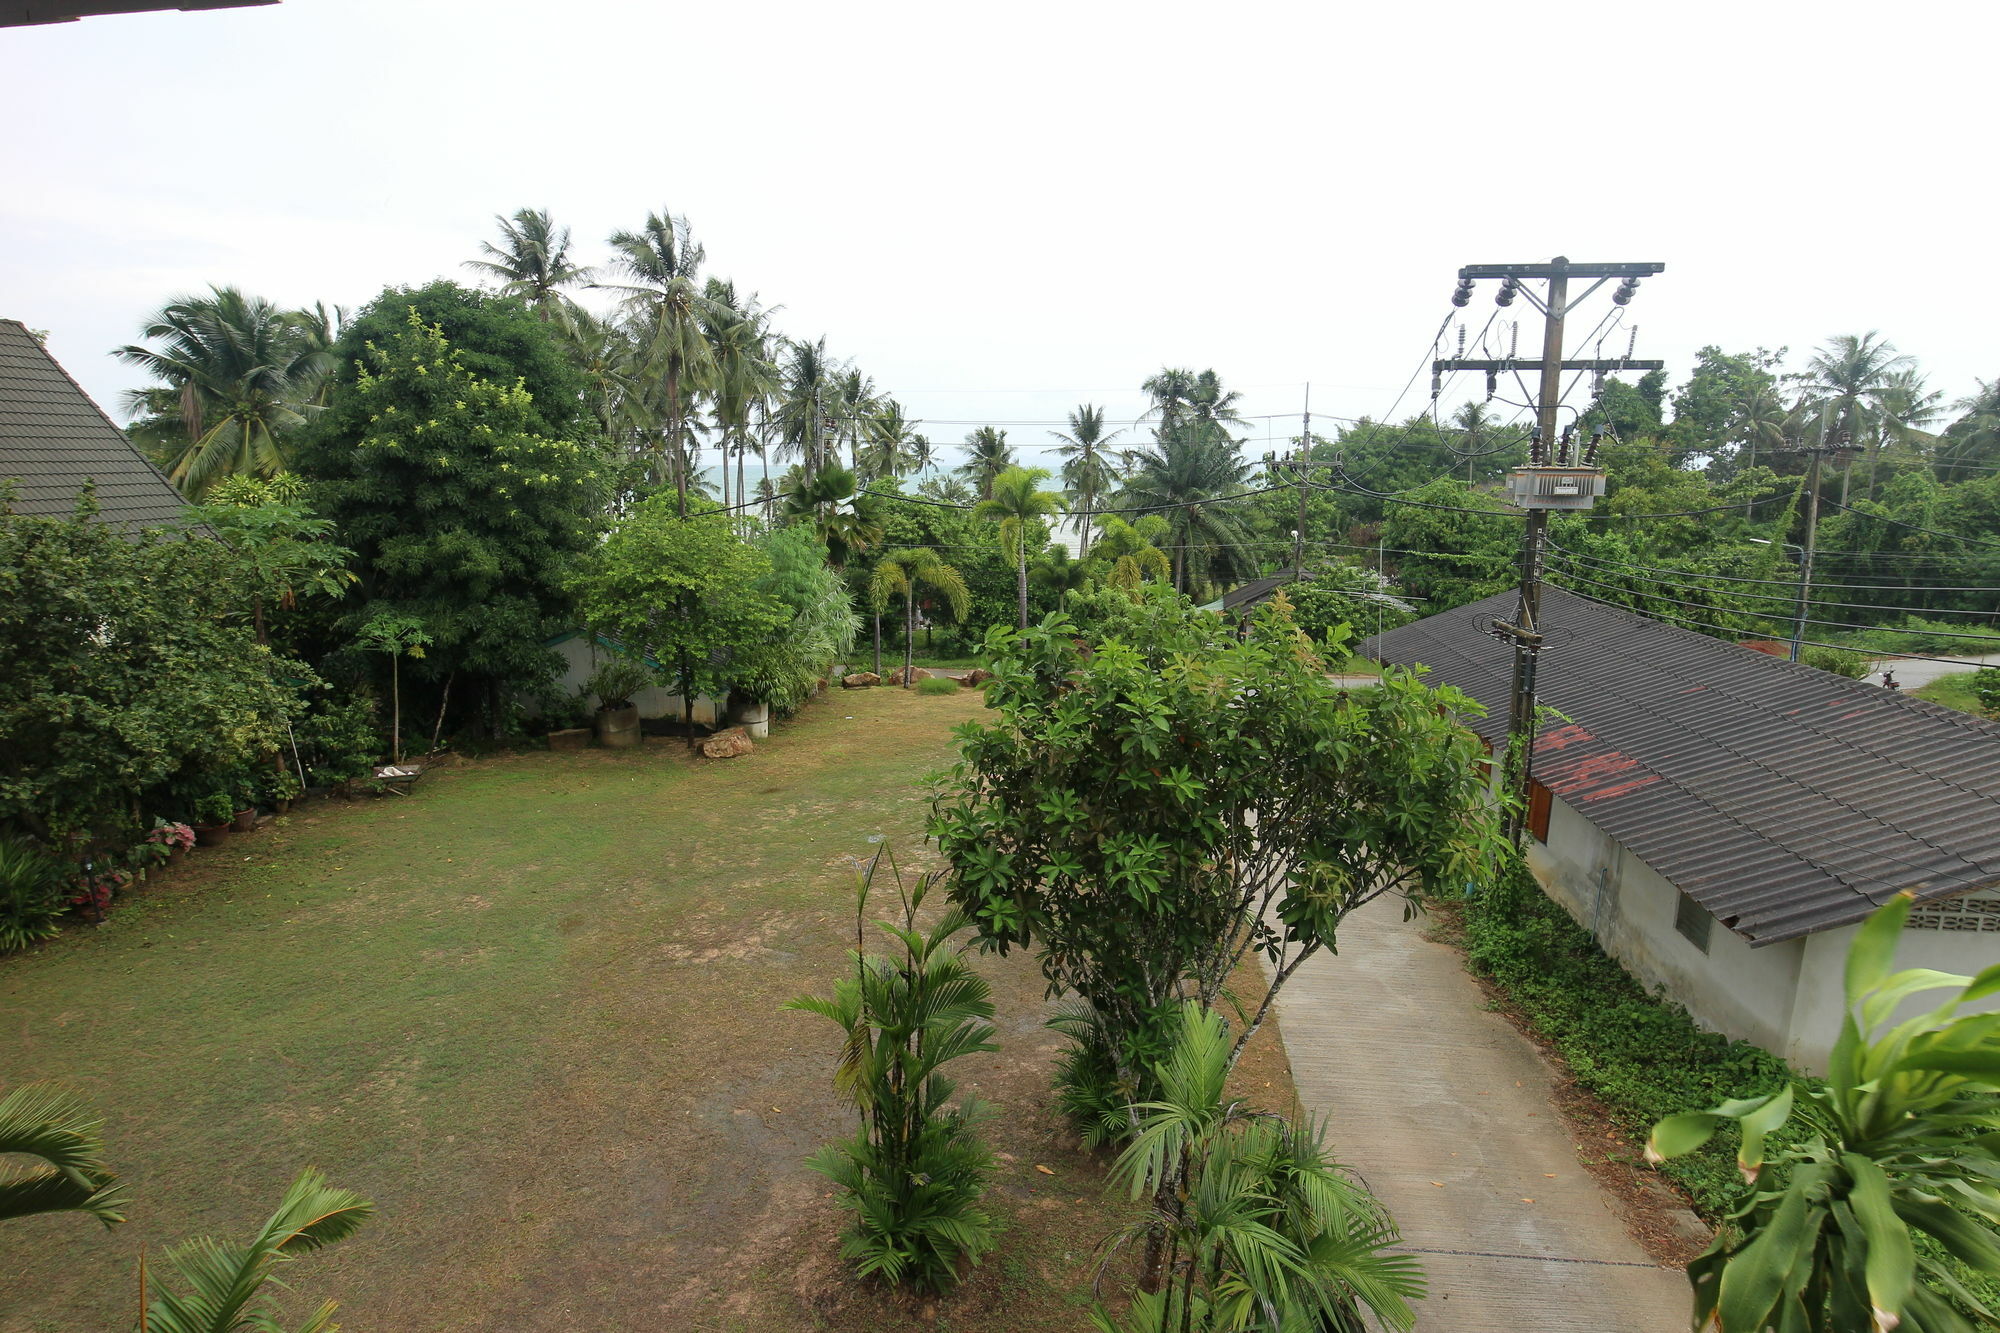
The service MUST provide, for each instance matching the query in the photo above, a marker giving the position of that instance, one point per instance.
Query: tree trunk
(878, 643)
(1021, 576)
(909, 636)
(395, 711)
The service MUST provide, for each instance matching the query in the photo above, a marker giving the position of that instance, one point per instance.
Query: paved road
(1446, 1111)
(1911, 674)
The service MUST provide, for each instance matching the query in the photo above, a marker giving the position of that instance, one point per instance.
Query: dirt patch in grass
(533, 1011)
(1657, 1213)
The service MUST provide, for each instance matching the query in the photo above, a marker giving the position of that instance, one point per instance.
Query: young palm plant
(1902, 1141)
(42, 1121)
(223, 1282)
(914, 1172)
(1253, 1226)
(906, 574)
(1014, 502)
(31, 897)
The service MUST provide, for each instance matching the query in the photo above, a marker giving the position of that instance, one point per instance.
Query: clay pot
(210, 835)
(245, 821)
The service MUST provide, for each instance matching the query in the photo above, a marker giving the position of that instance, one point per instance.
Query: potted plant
(285, 788)
(244, 818)
(212, 814)
(172, 838)
(615, 684)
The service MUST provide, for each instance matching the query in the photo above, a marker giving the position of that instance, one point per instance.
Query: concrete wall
(1732, 989)
(581, 656)
(1817, 1014)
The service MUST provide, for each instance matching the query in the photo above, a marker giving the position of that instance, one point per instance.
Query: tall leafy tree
(238, 376)
(532, 262)
(1017, 506)
(745, 376)
(660, 266)
(1848, 377)
(1089, 468)
(463, 512)
(988, 455)
(808, 393)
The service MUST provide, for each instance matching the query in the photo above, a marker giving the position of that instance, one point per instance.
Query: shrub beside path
(1449, 1115)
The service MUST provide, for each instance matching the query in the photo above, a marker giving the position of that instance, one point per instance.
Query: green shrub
(1918, 635)
(1641, 1055)
(1840, 661)
(1986, 689)
(617, 681)
(340, 741)
(31, 894)
(937, 685)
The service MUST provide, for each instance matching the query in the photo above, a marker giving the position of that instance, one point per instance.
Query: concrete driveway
(1447, 1112)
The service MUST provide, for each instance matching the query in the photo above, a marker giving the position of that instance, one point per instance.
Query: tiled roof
(1784, 799)
(1256, 591)
(53, 438)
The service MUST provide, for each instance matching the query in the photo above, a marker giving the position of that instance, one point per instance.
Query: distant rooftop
(53, 439)
(27, 13)
(1784, 799)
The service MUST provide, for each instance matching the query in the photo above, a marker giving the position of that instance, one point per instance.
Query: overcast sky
(1003, 210)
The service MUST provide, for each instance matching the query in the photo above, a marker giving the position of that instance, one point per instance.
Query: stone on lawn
(728, 743)
(860, 680)
(916, 674)
(974, 678)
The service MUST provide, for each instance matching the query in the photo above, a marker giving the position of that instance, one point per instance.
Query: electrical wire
(1913, 527)
(1720, 629)
(1781, 583)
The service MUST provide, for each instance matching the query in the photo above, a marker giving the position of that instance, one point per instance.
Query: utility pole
(1841, 450)
(1557, 476)
(1305, 459)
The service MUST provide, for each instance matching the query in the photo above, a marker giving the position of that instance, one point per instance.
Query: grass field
(1953, 691)
(533, 1012)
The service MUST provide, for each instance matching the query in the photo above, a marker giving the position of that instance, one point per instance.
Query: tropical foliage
(1891, 1165)
(915, 1170)
(41, 1121)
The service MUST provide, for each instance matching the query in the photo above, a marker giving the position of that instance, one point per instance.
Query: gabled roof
(1256, 591)
(1784, 799)
(53, 439)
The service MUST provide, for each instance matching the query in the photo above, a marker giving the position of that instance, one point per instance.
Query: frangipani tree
(1901, 1142)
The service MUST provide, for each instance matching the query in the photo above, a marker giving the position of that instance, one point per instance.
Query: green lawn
(532, 1011)
(1953, 691)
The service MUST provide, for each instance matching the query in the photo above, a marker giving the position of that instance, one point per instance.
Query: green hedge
(1638, 1053)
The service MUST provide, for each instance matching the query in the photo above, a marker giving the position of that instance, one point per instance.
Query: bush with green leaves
(1840, 661)
(31, 894)
(618, 680)
(128, 676)
(915, 1171)
(1149, 813)
(1253, 1225)
(1899, 1145)
(1986, 689)
(340, 740)
(54, 1127)
(785, 669)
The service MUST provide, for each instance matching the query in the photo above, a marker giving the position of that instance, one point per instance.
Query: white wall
(1816, 1017)
(581, 656)
(1732, 989)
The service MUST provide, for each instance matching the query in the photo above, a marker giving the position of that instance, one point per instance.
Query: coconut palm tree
(1193, 484)
(1016, 503)
(807, 396)
(843, 521)
(907, 574)
(1126, 554)
(1909, 407)
(1087, 468)
(887, 449)
(660, 264)
(923, 454)
(854, 403)
(989, 456)
(237, 373)
(1976, 433)
(947, 489)
(745, 376)
(1848, 377)
(40, 1120)
(532, 262)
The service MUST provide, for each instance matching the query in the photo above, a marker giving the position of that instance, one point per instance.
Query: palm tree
(1909, 407)
(43, 1121)
(1172, 392)
(1192, 483)
(888, 449)
(854, 402)
(660, 264)
(1976, 433)
(990, 456)
(237, 373)
(807, 395)
(1849, 376)
(744, 378)
(843, 521)
(947, 489)
(1126, 553)
(1087, 469)
(1249, 1212)
(222, 1281)
(906, 574)
(532, 262)
(1015, 502)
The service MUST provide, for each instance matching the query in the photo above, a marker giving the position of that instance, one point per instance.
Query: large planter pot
(210, 835)
(618, 728)
(245, 821)
(755, 719)
(571, 738)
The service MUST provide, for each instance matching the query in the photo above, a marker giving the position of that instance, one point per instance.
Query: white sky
(1002, 210)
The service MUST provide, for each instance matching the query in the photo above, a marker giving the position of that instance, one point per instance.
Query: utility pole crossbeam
(1560, 475)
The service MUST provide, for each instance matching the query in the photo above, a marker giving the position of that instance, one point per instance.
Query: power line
(1913, 527)
(1780, 583)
